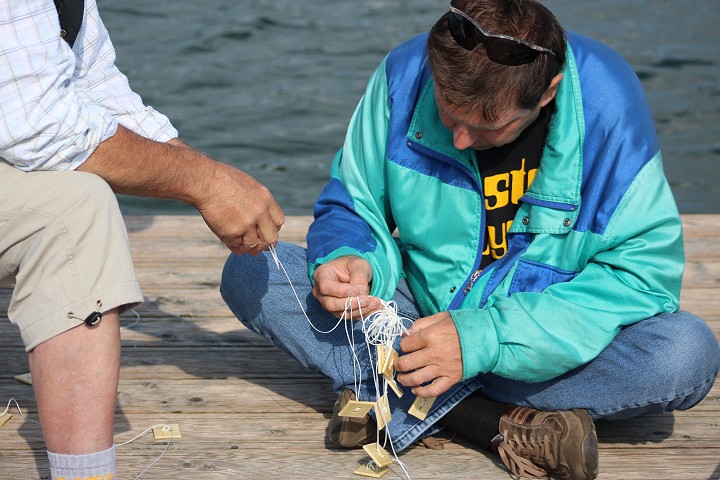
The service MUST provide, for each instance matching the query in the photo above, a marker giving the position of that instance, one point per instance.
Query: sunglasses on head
(502, 49)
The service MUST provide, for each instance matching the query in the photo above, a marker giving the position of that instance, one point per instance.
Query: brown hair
(469, 80)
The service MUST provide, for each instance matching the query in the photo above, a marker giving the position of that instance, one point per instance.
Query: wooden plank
(248, 410)
(259, 445)
(256, 461)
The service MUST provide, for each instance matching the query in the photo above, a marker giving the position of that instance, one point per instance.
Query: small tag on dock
(4, 418)
(165, 432)
(379, 455)
(24, 378)
(371, 472)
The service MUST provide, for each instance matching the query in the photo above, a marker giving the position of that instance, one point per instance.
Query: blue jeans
(664, 363)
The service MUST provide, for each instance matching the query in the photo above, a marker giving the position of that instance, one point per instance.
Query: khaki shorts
(63, 249)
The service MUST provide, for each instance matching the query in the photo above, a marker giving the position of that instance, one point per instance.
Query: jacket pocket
(536, 277)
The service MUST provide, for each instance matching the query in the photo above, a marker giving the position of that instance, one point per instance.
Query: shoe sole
(589, 447)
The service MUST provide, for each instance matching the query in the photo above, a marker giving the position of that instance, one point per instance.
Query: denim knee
(684, 363)
(693, 359)
(243, 284)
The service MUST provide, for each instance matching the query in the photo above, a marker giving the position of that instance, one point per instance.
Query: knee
(86, 192)
(243, 283)
(692, 352)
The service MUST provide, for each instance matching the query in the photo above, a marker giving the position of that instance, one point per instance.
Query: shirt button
(418, 135)
(526, 220)
(452, 290)
(567, 222)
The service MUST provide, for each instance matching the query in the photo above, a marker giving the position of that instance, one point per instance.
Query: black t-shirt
(506, 174)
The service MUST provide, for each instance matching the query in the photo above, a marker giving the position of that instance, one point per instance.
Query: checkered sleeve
(58, 104)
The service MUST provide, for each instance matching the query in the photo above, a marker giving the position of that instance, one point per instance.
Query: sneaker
(533, 443)
(350, 432)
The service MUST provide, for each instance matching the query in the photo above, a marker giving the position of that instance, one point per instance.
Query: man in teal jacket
(501, 181)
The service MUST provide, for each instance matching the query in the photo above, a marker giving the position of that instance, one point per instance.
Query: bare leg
(75, 376)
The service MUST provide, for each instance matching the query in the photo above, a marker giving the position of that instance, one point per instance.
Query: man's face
(471, 130)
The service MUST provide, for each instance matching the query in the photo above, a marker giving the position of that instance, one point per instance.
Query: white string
(381, 327)
(17, 405)
(281, 266)
(165, 428)
(350, 334)
(137, 320)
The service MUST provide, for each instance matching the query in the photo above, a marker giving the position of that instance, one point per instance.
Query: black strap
(70, 13)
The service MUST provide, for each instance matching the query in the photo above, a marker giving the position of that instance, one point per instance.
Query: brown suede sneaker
(533, 443)
(350, 432)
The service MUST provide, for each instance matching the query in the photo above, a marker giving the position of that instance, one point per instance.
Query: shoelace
(514, 450)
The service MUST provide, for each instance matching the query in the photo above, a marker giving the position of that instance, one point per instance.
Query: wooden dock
(246, 410)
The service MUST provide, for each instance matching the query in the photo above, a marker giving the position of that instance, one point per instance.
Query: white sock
(91, 466)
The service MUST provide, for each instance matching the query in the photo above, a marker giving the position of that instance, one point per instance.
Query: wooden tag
(381, 352)
(389, 366)
(366, 471)
(165, 432)
(421, 407)
(24, 378)
(393, 385)
(356, 409)
(380, 456)
(382, 412)
(4, 418)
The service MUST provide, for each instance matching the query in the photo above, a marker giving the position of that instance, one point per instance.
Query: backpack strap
(70, 13)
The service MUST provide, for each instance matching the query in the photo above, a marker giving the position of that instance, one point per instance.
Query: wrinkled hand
(241, 211)
(343, 278)
(432, 354)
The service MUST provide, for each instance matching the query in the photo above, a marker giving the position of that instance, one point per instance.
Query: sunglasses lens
(499, 50)
(463, 32)
(508, 52)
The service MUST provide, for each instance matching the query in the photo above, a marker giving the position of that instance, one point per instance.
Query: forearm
(134, 165)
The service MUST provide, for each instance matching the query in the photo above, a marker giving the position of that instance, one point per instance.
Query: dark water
(270, 85)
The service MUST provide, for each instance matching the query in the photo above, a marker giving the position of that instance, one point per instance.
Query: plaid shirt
(56, 103)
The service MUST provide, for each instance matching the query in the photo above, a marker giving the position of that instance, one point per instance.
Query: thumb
(361, 275)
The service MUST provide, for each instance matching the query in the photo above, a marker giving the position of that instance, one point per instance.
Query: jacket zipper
(473, 279)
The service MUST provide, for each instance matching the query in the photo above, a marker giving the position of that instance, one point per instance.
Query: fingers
(416, 355)
(353, 307)
(276, 215)
(255, 240)
(426, 381)
(334, 283)
(268, 232)
(439, 386)
(241, 211)
(432, 360)
(425, 322)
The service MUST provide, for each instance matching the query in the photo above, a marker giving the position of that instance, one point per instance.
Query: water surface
(269, 86)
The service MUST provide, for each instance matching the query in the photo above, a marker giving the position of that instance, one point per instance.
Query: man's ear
(551, 90)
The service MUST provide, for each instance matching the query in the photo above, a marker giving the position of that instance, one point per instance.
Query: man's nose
(462, 138)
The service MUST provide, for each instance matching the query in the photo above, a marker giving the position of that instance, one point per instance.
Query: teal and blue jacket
(596, 244)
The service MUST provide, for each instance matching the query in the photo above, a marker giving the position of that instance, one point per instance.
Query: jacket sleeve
(352, 214)
(634, 273)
